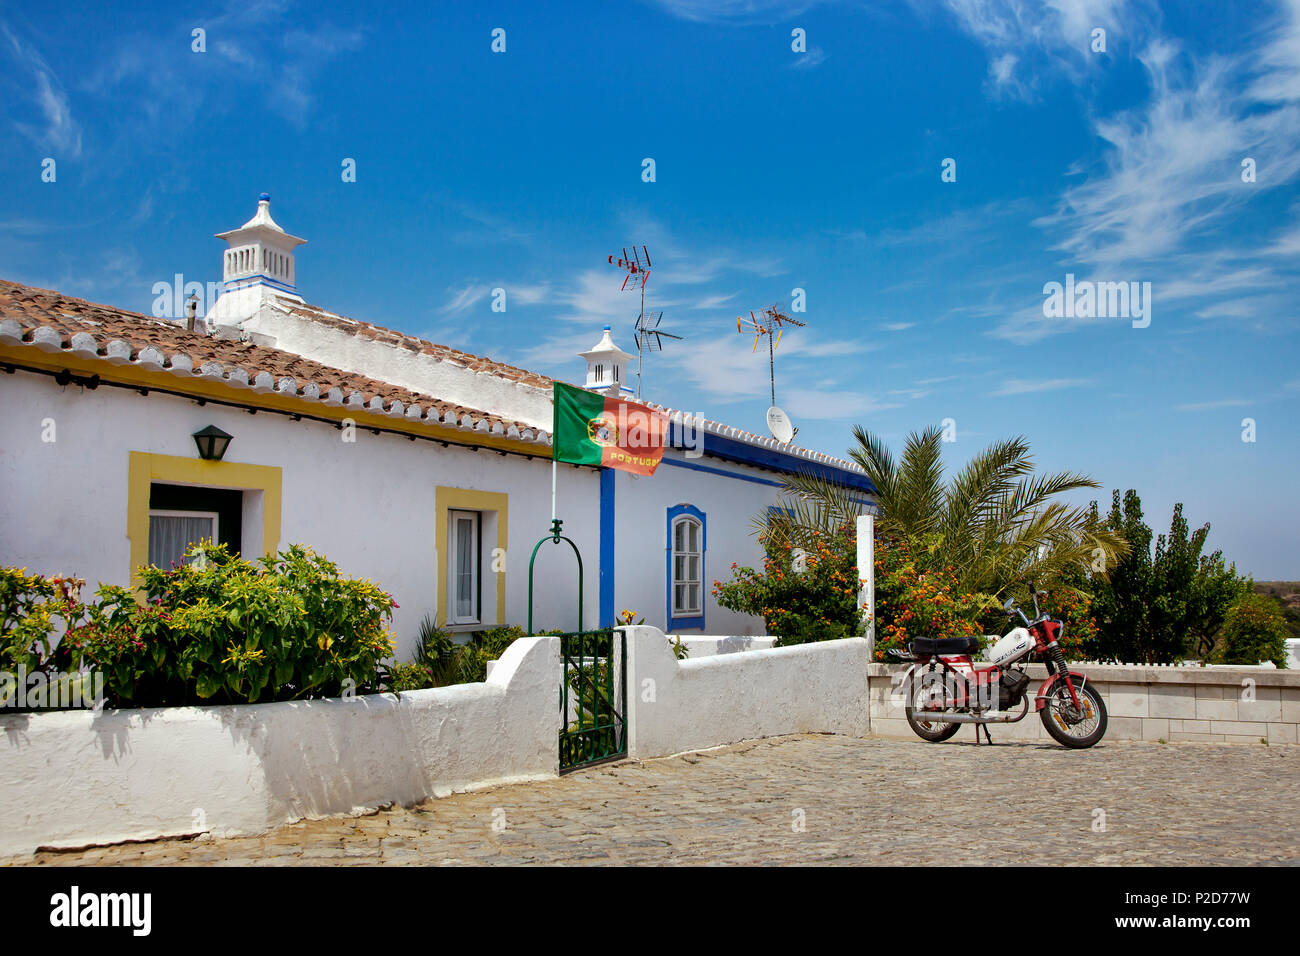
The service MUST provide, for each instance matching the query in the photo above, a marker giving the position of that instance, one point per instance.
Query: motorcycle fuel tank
(1017, 644)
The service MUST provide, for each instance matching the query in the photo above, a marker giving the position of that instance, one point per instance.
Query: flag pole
(552, 490)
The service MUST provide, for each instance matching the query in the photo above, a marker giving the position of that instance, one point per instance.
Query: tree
(996, 525)
(1254, 631)
(1155, 607)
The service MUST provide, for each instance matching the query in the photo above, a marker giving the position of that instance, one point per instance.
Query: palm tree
(995, 523)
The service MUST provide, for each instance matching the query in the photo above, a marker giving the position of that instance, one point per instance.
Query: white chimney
(607, 367)
(257, 265)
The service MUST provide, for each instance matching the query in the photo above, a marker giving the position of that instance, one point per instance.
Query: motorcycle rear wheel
(932, 730)
(1075, 730)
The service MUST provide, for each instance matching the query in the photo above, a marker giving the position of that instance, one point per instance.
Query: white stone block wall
(74, 778)
(1174, 704)
(674, 706)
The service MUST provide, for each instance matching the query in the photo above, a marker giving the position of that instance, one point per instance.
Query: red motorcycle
(944, 688)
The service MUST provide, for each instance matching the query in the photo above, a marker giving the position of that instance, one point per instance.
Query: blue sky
(775, 170)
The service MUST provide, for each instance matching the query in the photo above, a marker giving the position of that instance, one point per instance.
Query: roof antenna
(769, 323)
(649, 337)
(634, 267)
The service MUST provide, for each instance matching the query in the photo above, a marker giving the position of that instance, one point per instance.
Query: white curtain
(464, 568)
(170, 535)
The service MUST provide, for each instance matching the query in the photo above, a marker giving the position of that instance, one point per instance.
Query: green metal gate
(593, 698)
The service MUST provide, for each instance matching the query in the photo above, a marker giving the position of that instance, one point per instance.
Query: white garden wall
(675, 706)
(75, 778)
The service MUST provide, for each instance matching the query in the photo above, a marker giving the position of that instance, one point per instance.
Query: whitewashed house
(421, 467)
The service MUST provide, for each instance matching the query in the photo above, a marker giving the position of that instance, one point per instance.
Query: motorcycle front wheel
(1070, 726)
(932, 730)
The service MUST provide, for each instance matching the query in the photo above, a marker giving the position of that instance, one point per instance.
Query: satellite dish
(778, 423)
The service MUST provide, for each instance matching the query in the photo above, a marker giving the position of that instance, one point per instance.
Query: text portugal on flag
(593, 429)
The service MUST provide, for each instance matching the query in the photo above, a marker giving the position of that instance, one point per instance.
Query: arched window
(686, 551)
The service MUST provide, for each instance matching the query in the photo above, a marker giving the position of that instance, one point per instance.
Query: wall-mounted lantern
(212, 442)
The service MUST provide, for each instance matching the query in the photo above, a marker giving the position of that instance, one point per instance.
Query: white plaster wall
(721, 699)
(75, 778)
(641, 538)
(367, 506)
(399, 366)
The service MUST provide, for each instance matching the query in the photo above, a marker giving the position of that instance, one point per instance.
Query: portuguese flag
(593, 429)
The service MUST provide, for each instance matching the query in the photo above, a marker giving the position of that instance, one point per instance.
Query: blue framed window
(687, 545)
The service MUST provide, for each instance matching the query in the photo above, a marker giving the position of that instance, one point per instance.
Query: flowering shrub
(1079, 629)
(1065, 604)
(226, 630)
(912, 603)
(34, 611)
(803, 595)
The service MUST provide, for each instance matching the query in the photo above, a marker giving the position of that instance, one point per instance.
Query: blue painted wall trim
(259, 279)
(729, 449)
(693, 466)
(607, 547)
(695, 621)
(869, 505)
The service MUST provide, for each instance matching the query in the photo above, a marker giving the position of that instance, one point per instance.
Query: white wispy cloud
(54, 128)
(813, 58)
(735, 11)
(1172, 169)
(519, 294)
(1160, 202)
(1209, 406)
(485, 226)
(1026, 40)
(1026, 387)
(464, 299)
(713, 301)
(831, 404)
(260, 49)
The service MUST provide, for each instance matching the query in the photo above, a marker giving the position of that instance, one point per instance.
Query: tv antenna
(634, 267)
(770, 322)
(637, 274)
(649, 338)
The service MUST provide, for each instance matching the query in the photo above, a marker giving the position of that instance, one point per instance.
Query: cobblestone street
(822, 799)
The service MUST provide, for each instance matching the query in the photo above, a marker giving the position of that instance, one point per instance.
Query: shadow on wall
(335, 756)
(138, 775)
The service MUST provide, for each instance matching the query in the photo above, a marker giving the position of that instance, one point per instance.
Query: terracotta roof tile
(33, 309)
(55, 322)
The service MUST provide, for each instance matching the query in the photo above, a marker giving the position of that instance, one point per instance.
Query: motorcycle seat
(924, 646)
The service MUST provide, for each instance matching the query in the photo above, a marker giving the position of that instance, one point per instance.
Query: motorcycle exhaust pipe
(994, 717)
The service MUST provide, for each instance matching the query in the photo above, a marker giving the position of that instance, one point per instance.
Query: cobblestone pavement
(859, 801)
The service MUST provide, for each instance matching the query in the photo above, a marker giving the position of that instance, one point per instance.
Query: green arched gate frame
(593, 685)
